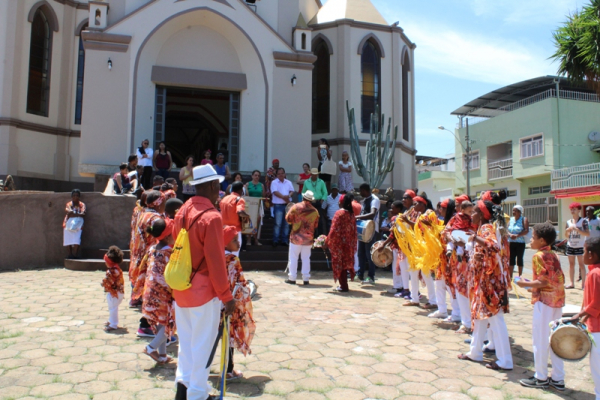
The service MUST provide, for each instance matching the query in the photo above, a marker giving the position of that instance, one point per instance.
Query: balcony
(500, 169)
(574, 180)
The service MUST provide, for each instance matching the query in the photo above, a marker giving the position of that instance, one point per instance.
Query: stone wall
(31, 233)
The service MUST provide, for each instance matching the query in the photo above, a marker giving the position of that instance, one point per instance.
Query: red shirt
(208, 257)
(230, 206)
(356, 207)
(591, 298)
(303, 177)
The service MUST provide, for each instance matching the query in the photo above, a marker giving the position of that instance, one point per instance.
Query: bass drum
(381, 255)
(570, 341)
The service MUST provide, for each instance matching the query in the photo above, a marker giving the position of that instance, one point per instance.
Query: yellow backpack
(178, 272)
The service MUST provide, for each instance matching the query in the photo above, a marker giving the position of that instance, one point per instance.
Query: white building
(83, 83)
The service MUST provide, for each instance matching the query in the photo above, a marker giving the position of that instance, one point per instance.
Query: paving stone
(51, 389)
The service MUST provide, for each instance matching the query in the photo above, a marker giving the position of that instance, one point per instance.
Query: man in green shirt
(317, 186)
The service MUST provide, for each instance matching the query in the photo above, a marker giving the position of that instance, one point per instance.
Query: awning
(584, 194)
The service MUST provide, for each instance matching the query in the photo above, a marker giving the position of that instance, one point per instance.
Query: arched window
(304, 41)
(371, 83)
(405, 98)
(320, 89)
(79, 90)
(40, 54)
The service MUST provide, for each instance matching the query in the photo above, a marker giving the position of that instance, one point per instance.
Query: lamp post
(467, 150)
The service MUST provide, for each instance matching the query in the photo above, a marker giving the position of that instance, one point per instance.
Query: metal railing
(576, 177)
(540, 210)
(500, 169)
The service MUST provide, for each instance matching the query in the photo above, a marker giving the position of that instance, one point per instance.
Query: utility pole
(468, 159)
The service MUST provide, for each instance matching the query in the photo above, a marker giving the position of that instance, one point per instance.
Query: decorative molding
(80, 27)
(306, 57)
(119, 48)
(405, 52)
(105, 41)
(362, 142)
(72, 3)
(48, 12)
(365, 25)
(169, 76)
(372, 38)
(224, 2)
(294, 65)
(324, 38)
(30, 126)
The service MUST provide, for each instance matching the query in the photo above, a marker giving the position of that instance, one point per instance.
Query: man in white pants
(198, 308)
(304, 219)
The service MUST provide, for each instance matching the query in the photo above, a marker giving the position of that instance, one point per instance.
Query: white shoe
(438, 314)
(452, 318)
(394, 290)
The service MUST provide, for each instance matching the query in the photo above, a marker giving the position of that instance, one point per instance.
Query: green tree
(578, 46)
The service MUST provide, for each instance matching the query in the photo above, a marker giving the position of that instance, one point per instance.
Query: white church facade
(82, 84)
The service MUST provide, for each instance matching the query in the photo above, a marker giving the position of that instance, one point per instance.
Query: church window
(320, 89)
(304, 41)
(371, 83)
(40, 54)
(405, 98)
(79, 89)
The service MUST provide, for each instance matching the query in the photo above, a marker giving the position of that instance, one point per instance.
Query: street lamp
(467, 150)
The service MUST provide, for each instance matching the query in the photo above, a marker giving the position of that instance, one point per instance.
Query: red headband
(168, 229)
(487, 196)
(156, 202)
(445, 203)
(484, 210)
(275, 160)
(419, 199)
(109, 262)
(461, 199)
(410, 193)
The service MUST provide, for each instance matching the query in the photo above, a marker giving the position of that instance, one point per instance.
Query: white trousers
(414, 287)
(404, 273)
(595, 363)
(304, 252)
(237, 253)
(440, 296)
(396, 279)
(197, 329)
(542, 316)
(465, 310)
(501, 342)
(356, 265)
(455, 306)
(113, 309)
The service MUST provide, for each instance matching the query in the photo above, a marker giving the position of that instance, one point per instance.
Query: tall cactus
(380, 160)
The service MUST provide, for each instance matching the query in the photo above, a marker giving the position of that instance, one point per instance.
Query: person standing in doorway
(304, 219)
(576, 231)
(144, 154)
(370, 211)
(223, 170)
(282, 190)
(317, 186)
(162, 161)
(518, 228)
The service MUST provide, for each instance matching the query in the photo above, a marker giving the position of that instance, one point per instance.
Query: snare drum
(381, 255)
(366, 230)
(570, 341)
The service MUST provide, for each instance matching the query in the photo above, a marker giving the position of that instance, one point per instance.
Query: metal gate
(540, 210)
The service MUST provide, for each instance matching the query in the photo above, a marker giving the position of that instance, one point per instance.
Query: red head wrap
(419, 199)
(484, 210)
(157, 202)
(109, 262)
(168, 229)
(486, 196)
(342, 198)
(574, 205)
(445, 203)
(229, 233)
(461, 199)
(275, 160)
(410, 193)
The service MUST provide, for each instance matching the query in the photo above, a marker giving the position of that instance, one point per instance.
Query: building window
(40, 54)
(511, 193)
(474, 161)
(405, 98)
(532, 146)
(371, 84)
(80, 69)
(320, 89)
(304, 41)
(539, 189)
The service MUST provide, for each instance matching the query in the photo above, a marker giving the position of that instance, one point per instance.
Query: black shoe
(535, 383)
(305, 283)
(289, 282)
(558, 385)
(181, 392)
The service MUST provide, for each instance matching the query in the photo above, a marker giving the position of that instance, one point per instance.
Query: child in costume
(113, 286)
(461, 222)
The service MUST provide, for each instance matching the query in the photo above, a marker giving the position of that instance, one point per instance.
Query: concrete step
(89, 264)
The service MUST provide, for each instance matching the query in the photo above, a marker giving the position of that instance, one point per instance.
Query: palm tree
(578, 46)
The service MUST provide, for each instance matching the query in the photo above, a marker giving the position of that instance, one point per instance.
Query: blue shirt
(515, 228)
(222, 171)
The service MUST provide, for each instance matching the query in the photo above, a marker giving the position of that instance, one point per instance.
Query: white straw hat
(205, 173)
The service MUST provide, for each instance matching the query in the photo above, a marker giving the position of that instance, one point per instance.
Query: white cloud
(475, 57)
(526, 11)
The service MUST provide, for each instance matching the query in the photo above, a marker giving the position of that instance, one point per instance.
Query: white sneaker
(394, 290)
(438, 314)
(452, 318)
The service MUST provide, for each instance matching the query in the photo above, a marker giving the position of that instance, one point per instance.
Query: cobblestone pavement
(310, 344)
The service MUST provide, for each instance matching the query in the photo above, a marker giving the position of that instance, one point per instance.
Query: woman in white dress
(71, 225)
(576, 231)
(345, 183)
(145, 153)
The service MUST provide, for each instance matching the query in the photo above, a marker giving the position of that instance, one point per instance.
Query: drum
(366, 230)
(570, 341)
(381, 255)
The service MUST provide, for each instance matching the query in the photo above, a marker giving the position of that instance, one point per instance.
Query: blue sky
(466, 48)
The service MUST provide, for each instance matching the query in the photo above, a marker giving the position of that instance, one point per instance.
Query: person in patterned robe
(241, 322)
(489, 296)
(113, 286)
(157, 306)
(135, 243)
(341, 243)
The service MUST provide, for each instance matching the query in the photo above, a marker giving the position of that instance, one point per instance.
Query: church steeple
(98, 14)
(302, 35)
(358, 10)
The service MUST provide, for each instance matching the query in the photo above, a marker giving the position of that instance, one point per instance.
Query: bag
(178, 272)
(329, 167)
(74, 224)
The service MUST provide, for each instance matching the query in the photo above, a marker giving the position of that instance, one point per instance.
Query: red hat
(275, 160)
(419, 199)
(461, 199)
(342, 198)
(410, 193)
(229, 233)
(168, 229)
(445, 203)
(486, 196)
(575, 205)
